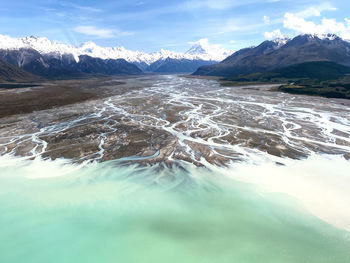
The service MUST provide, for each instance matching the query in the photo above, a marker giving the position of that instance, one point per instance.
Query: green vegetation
(17, 85)
(320, 70)
(329, 89)
(320, 78)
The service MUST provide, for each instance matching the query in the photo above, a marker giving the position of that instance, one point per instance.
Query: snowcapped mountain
(281, 41)
(329, 36)
(281, 53)
(39, 44)
(205, 51)
(201, 50)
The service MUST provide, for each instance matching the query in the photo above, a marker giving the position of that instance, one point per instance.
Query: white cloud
(213, 50)
(217, 4)
(274, 34)
(235, 25)
(302, 26)
(204, 42)
(301, 23)
(347, 22)
(93, 31)
(80, 7)
(313, 11)
(211, 4)
(266, 20)
(100, 32)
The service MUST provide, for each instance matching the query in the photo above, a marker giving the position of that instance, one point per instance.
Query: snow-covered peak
(285, 40)
(328, 36)
(281, 41)
(199, 47)
(88, 45)
(196, 49)
(201, 50)
(40, 44)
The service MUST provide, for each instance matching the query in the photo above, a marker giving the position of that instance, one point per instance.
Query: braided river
(177, 169)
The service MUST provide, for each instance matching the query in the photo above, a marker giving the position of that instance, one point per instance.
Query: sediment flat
(179, 118)
(22, 98)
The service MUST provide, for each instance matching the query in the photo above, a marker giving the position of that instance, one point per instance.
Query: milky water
(226, 175)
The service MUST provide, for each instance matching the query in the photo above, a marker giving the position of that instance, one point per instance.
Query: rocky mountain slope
(9, 73)
(271, 55)
(65, 65)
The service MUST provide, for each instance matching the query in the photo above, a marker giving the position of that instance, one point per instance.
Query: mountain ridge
(45, 47)
(270, 55)
(65, 66)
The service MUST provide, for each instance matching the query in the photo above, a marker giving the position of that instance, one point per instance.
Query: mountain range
(46, 58)
(280, 53)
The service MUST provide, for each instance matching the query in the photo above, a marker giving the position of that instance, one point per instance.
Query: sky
(149, 25)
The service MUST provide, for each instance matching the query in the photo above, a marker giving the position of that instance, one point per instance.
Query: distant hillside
(10, 73)
(177, 65)
(271, 55)
(318, 70)
(317, 78)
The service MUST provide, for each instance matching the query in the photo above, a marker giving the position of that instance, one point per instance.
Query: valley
(188, 131)
(179, 118)
(135, 157)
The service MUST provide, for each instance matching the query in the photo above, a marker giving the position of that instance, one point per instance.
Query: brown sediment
(105, 119)
(47, 95)
(40, 98)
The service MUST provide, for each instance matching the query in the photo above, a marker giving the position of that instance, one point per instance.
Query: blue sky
(149, 25)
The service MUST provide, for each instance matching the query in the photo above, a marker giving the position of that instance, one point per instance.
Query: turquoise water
(110, 212)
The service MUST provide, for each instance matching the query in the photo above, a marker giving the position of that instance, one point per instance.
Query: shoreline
(302, 184)
(268, 140)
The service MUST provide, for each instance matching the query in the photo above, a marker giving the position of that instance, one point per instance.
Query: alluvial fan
(180, 170)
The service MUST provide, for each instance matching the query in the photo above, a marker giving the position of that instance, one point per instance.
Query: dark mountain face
(65, 66)
(53, 66)
(32, 61)
(142, 65)
(121, 66)
(92, 65)
(10, 73)
(269, 56)
(225, 67)
(177, 65)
